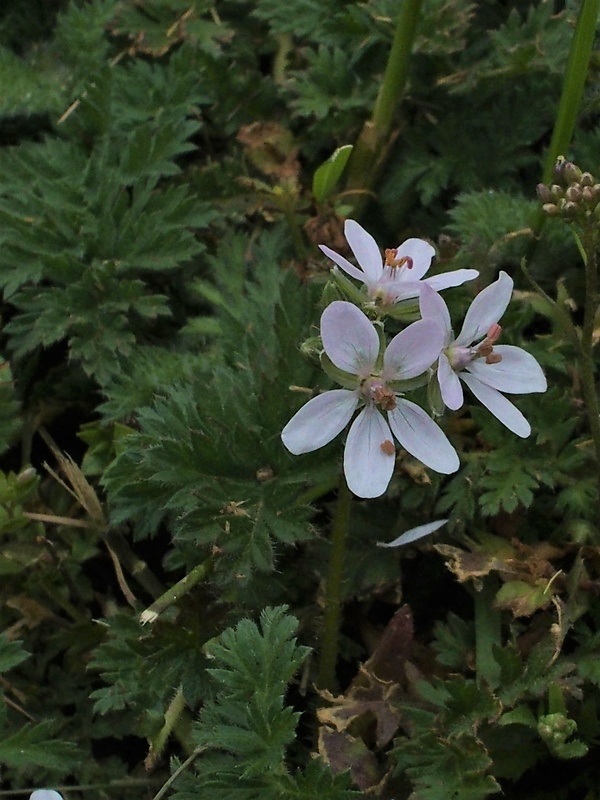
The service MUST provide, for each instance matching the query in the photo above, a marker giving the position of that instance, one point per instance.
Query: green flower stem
(570, 99)
(180, 769)
(333, 588)
(573, 85)
(487, 633)
(173, 716)
(172, 595)
(366, 159)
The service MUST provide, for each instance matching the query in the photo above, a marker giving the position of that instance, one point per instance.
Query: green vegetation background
(162, 557)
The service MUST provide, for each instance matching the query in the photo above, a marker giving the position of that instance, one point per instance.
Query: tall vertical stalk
(570, 99)
(573, 85)
(333, 588)
(366, 160)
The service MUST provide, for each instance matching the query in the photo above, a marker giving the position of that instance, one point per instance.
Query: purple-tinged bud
(557, 172)
(569, 209)
(574, 193)
(587, 179)
(570, 172)
(543, 192)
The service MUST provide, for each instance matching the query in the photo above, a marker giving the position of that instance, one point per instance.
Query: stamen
(396, 263)
(494, 333)
(384, 398)
(486, 348)
(493, 358)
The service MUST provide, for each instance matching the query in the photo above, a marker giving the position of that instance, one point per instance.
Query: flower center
(459, 357)
(374, 390)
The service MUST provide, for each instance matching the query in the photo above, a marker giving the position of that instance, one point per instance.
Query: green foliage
(159, 272)
(215, 477)
(245, 729)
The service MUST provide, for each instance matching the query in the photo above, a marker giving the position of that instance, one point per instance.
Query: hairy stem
(333, 589)
(172, 595)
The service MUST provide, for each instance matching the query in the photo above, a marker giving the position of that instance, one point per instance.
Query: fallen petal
(414, 533)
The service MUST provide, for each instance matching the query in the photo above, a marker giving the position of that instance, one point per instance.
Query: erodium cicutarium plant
(379, 372)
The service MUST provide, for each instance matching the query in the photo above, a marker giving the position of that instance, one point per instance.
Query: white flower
(352, 344)
(399, 276)
(475, 359)
(45, 794)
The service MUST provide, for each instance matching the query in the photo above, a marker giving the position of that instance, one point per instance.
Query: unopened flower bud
(588, 194)
(26, 475)
(570, 172)
(587, 179)
(543, 192)
(551, 209)
(559, 165)
(557, 191)
(574, 193)
(312, 347)
(569, 209)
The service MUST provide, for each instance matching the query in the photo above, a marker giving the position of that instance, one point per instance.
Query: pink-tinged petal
(421, 253)
(517, 373)
(500, 407)
(413, 350)
(365, 249)
(450, 388)
(369, 455)
(319, 421)
(423, 439)
(349, 338)
(455, 278)
(415, 533)
(486, 309)
(434, 308)
(343, 263)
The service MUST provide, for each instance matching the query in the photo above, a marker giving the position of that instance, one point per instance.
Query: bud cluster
(574, 196)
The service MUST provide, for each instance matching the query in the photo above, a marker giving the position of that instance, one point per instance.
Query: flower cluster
(575, 195)
(376, 375)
